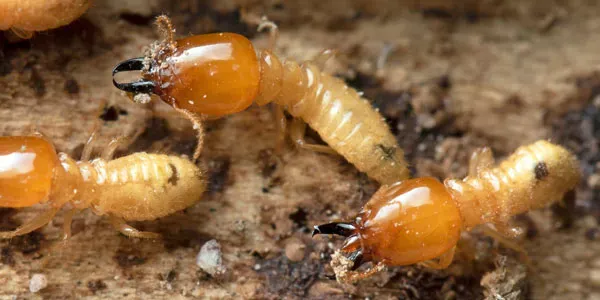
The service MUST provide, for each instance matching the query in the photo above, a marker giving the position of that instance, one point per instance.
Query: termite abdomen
(145, 186)
(533, 177)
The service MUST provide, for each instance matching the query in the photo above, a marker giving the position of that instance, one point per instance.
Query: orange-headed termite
(220, 74)
(136, 187)
(24, 17)
(417, 220)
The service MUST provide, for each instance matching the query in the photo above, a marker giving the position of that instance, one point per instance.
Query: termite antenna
(166, 30)
(137, 87)
(339, 228)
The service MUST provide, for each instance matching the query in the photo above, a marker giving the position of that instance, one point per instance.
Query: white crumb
(37, 283)
(209, 258)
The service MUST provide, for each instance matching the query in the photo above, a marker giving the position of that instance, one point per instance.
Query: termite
(23, 17)
(221, 74)
(136, 187)
(419, 220)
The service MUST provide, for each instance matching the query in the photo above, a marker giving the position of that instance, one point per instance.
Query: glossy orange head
(404, 223)
(27, 167)
(214, 74)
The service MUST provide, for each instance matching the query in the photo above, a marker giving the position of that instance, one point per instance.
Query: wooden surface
(479, 74)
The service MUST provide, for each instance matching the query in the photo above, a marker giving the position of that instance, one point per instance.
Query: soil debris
(37, 283)
(508, 281)
(210, 259)
(96, 285)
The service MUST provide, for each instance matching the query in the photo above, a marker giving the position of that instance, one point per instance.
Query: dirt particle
(127, 258)
(295, 249)
(507, 281)
(444, 82)
(96, 285)
(267, 162)
(299, 217)
(6, 221)
(286, 279)
(6, 257)
(37, 283)
(110, 113)
(71, 86)
(156, 130)
(564, 211)
(594, 181)
(218, 172)
(28, 243)
(210, 259)
(172, 275)
(36, 82)
(324, 289)
(437, 13)
(364, 82)
(5, 66)
(136, 19)
(592, 234)
(174, 238)
(579, 131)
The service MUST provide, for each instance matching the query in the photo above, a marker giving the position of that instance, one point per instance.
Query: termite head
(28, 166)
(213, 74)
(404, 223)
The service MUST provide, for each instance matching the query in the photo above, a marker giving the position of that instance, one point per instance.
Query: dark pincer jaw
(351, 247)
(141, 86)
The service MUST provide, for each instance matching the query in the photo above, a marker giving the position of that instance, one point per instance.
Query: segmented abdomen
(344, 120)
(534, 176)
(145, 186)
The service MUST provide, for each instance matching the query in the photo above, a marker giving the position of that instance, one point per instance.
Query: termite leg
(442, 262)
(109, 151)
(89, 145)
(280, 127)
(506, 241)
(320, 60)
(36, 131)
(383, 57)
(481, 159)
(58, 247)
(37, 222)
(123, 142)
(68, 220)
(198, 126)
(21, 33)
(120, 225)
(297, 132)
(507, 229)
(262, 23)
